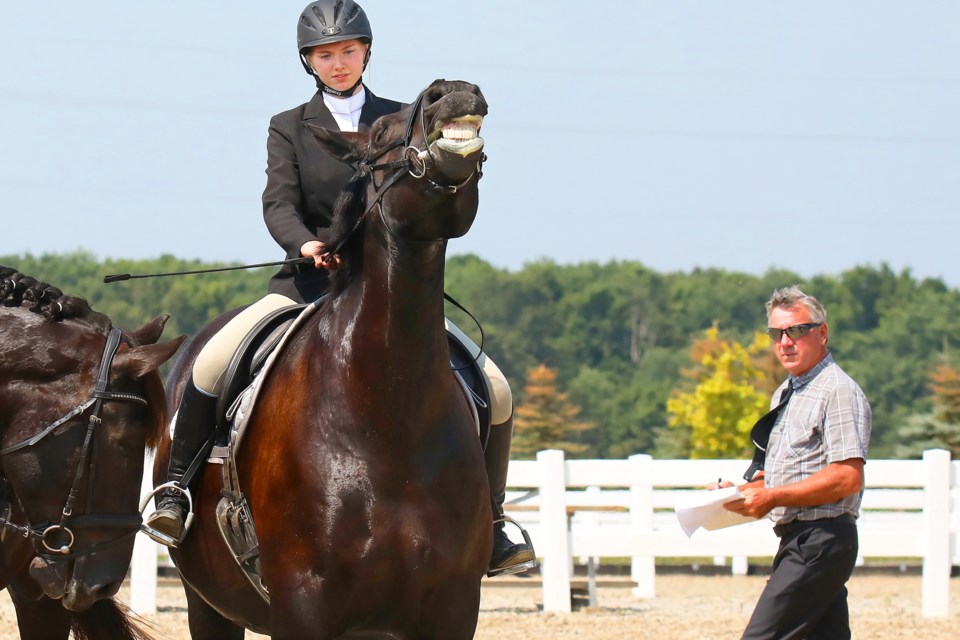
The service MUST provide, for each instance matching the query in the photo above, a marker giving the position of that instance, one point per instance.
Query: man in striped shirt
(811, 484)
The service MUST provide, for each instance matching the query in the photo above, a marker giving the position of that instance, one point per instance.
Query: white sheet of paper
(697, 509)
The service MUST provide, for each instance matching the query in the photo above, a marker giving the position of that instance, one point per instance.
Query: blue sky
(744, 134)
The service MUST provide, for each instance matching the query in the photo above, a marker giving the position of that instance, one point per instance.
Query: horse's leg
(42, 619)
(453, 610)
(206, 623)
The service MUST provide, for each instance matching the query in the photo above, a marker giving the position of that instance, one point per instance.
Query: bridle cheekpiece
(58, 539)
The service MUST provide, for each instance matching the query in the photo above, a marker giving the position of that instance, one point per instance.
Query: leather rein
(58, 539)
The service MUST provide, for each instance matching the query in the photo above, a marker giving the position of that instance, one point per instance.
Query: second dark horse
(80, 401)
(361, 465)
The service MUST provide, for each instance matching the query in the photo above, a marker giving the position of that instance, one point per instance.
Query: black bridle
(413, 164)
(58, 539)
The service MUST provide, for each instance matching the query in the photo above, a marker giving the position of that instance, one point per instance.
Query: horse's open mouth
(454, 146)
(459, 135)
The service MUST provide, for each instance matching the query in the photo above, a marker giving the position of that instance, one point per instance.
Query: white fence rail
(911, 509)
(624, 508)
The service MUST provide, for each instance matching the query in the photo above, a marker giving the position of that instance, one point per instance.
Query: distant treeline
(618, 333)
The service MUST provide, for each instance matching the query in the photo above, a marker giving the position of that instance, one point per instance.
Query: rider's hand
(322, 259)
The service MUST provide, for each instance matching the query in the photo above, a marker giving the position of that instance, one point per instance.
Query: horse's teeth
(457, 131)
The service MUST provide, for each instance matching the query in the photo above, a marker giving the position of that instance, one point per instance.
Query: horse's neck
(396, 305)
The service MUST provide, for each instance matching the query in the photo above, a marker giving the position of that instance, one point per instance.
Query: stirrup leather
(162, 538)
(519, 567)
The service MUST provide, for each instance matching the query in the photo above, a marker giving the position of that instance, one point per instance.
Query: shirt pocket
(804, 435)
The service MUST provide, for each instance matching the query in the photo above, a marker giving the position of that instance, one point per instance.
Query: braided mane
(17, 289)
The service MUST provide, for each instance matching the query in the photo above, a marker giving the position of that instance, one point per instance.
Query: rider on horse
(303, 184)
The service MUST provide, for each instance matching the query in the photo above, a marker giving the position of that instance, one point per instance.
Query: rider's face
(340, 64)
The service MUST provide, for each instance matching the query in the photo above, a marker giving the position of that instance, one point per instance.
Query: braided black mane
(17, 289)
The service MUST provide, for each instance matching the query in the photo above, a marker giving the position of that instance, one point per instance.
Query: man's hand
(719, 484)
(755, 502)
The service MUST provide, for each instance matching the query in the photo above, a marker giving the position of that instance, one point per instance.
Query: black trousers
(806, 596)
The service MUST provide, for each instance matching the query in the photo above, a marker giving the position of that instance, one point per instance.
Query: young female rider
(303, 182)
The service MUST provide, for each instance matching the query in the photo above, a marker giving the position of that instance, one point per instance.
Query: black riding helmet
(327, 22)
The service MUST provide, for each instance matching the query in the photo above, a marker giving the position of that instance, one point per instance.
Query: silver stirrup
(158, 536)
(516, 568)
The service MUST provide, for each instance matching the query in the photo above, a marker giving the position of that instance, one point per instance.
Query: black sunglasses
(795, 332)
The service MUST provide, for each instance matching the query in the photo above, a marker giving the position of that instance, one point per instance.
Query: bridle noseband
(414, 160)
(58, 539)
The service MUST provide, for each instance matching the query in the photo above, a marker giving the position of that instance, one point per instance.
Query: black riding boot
(196, 419)
(508, 556)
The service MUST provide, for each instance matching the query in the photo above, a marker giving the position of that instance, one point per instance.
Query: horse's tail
(108, 620)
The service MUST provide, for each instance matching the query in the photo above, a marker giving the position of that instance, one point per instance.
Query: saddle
(249, 364)
(251, 356)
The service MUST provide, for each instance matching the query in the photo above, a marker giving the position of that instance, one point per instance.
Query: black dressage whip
(117, 277)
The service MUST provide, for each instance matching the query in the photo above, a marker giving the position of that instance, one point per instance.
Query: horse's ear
(136, 362)
(150, 332)
(342, 145)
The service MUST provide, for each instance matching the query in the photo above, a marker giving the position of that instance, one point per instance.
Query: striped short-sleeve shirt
(827, 420)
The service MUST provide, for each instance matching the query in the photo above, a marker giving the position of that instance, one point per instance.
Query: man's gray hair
(789, 297)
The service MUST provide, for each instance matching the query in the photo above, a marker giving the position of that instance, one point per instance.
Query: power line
(519, 67)
(538, 128)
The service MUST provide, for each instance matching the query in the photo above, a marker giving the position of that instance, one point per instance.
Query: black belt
(783, 529)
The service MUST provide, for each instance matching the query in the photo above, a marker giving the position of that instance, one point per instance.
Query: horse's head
(417, 169)
(79, 404)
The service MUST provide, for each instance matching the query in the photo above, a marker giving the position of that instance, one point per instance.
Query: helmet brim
(340, 37)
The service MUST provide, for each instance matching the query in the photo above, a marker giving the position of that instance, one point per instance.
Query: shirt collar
(801, 380)
(346, 106)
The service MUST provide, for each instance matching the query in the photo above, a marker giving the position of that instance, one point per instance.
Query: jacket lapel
(373, 108)
(316, 112)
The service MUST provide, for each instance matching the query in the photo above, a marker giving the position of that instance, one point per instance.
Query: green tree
(726, 402)
(939, 429)
(892, 360)
(617, 333)
(926, 431)
(547, 419)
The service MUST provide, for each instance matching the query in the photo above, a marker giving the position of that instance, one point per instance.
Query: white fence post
(143, 567)
(554, 546)
(936, 517)
(740, 565)
(591, 521)
(642, 568)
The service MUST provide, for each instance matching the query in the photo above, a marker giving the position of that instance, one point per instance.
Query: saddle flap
(250, 356)
(469, 370)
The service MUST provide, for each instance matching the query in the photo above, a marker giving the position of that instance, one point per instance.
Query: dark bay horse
(361, 464)
(79, 403)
